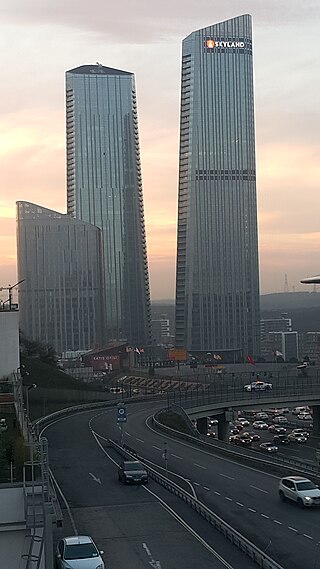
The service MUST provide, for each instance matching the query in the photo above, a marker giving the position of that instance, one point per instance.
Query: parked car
(258, 386)
(259, 425)
(78, 551)
(281, 440)
(300, 490)
(269, 447)
(277, 429)
(132, 472)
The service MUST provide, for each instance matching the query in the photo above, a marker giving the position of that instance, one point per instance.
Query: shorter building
(284, 344)
(161, 330)
(113, 356)
(269, 343)
(9, 342)
(309, 346)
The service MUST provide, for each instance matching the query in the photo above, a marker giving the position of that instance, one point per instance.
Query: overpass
(222, 399)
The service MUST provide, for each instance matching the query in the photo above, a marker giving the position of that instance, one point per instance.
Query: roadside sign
(122, 414)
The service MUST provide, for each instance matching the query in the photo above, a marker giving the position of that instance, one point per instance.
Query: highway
(135, 526)
(122, 519)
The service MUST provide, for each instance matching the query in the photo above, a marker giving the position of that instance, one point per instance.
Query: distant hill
(285, 300)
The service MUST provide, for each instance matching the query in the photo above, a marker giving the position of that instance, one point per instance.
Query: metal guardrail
(246, 546)
(243, 454)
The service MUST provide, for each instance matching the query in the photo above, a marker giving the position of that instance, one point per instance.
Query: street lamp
(33, 386)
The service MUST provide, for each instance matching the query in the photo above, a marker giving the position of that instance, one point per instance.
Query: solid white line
(200, 466)
(140, 440)
(158, 448)
(252, 510)
(260, 489)
(225, 476)
(192, 531)
(292, 529)
(176, 456)
(264, 516)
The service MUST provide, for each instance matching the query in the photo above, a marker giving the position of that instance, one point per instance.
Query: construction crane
(9, 289)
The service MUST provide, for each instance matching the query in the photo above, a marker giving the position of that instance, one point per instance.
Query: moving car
(244, 422)
(252, 435)
(305, 417)
(277, 429)
(299, 410)
(259, 425)
(302, 432)
(262, 415)
(269, 447)
(132, 472)
(78, 551)
(297, 438)
(258, 386)
(281, 440)
(280, 420)
(300, 490)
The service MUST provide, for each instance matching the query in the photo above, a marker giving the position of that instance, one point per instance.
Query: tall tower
(217, 278)
(104, 188)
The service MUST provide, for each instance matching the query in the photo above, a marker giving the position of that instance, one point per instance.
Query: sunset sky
(41, 39)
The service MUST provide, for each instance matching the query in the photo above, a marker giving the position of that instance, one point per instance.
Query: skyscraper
(217, 279)
(104, 188)
(60, 260)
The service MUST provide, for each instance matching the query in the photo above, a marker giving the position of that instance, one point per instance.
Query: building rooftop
(97, 69)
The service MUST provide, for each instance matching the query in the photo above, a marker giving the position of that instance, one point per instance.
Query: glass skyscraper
(60, 262)
(217, 277)
(104, 188)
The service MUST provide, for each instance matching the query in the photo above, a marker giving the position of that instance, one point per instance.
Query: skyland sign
(211, 44)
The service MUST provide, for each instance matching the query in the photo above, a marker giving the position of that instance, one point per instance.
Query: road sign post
(121, 418)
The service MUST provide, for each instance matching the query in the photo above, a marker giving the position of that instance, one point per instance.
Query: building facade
(217, 278)
(104, 188)
(60, 262)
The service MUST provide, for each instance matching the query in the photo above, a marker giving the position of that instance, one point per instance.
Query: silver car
(78, 552)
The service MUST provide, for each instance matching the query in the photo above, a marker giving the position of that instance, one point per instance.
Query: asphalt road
(245, 498)
(135, 526)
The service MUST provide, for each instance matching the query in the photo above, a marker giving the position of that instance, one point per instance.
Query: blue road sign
(122, 414)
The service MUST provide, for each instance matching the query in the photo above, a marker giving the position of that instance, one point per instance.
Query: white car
(260, 425)
(262, 415)
(258, 386)
(305, 417)
(280, 420)
(299, 410)
(78, 551)
(297, 438)
(243, 421)
(300, 490)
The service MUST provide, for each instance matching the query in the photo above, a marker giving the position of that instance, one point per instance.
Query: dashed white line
(239, 504)
(276, 522)
(225, 476)
(260, 489)
(140, 440)
(293, 529)
(158, 448)
(128, 434)
(218, 493)
(206, 488)
(252, 510)
(200, 466)
(176, 456)
(264, 516)
(196, 483)
(230, 499)
(308, 536)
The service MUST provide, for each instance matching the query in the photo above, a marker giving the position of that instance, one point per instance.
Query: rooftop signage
(211, 43)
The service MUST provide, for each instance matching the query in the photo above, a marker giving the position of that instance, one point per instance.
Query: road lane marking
(176, 456)
(140, 440)
(152, 561)
(264, 516)
(158, 448)
(293, 529)
(230, 499)
(95, 478)
(308, 536)
(128, 434)
(252, 510)
(200, 466)
(239, 504)
(260, 489)
(277, 522)
(218, 493)
(225, 476)
(206, 488)
(196, 483)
